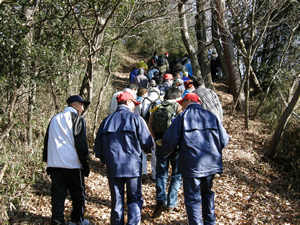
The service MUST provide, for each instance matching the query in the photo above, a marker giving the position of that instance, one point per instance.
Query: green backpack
(162, 118)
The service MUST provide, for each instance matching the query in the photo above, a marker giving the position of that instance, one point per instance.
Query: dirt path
(249, 192)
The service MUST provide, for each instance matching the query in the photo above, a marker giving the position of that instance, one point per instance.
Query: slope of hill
(250, 191)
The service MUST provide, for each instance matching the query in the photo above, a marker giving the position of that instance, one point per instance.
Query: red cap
(168, 76)
(190, 96)
(125, 96)
(188, 83)
(166, 54)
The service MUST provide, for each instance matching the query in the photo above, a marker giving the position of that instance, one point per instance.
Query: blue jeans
(199, 200)
(134, 200)
(162, 168)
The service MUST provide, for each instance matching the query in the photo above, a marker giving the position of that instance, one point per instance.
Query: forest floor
(250, 191)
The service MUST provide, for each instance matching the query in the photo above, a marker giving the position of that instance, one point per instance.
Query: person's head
(133, 87)
(142, 92)
(178, 82)
(188, 99)
(168, 77)
(172, 93)
(126, 98)
(177, 75)
(152, 83)
(197, 82)
(141, 71)
(78, 103)
(189, 84)
(166, 54)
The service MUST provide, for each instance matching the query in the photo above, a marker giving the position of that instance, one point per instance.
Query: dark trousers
(134, 199)
(199, 200)
(62, 181)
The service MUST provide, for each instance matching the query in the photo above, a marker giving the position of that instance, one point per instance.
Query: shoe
(159, 208)
(84, 222)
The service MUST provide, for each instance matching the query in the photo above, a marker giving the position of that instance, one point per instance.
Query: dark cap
(77, 98)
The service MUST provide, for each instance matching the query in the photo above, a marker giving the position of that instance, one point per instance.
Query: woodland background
(50, 49)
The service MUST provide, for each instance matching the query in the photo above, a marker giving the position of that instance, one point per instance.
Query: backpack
(162, 118)
(145, 111)
(161, 61)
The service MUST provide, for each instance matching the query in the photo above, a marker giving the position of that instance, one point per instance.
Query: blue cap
(77, 98)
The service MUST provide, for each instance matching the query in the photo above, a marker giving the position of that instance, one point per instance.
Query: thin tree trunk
(101, 92)
(186, 40)
(201, 29)
(283, 121)
(227, 58)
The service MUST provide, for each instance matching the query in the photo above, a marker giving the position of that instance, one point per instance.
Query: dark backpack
(162, 118)
(161, 60)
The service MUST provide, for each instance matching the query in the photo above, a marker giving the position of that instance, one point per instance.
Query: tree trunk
(86, 89)
(201, 29)
(283, 121)
(186, 40)
(227, 56)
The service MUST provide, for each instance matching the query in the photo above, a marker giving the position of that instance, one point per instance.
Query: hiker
(150, 101)
(141, 94)
(132, 88)
(186, 62)
(178, 83)
(163, 63)
(167, 83)
(153, 60)
(141, 79)
(160, 120)
(215, 67)
(121, 138)
(189, 87)
(210, 100)
(152, 73)
(133, 74)
(66, 154)
(201, 138)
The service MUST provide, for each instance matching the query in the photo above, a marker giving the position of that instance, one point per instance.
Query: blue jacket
(201, 138)
(119, 143)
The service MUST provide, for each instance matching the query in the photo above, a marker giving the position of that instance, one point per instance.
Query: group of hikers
(163, 112)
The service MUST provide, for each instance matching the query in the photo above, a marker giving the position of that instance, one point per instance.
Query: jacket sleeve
(144, 135)
(80, 139)
(224, 137)
(171, 137)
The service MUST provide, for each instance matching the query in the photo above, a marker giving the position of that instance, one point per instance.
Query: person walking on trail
(150, 100)
(142, 80)
(167, 83)
(201, 138)
(121, 138)
(160, 119)
(189, 87)
(66, 154)
(141, 94)
(132, 88)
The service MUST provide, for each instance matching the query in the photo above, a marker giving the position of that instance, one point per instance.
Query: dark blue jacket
(119, 143)
(201, 138)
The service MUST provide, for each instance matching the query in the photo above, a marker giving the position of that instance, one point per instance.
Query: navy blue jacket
(201, 138)
(119, 143)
